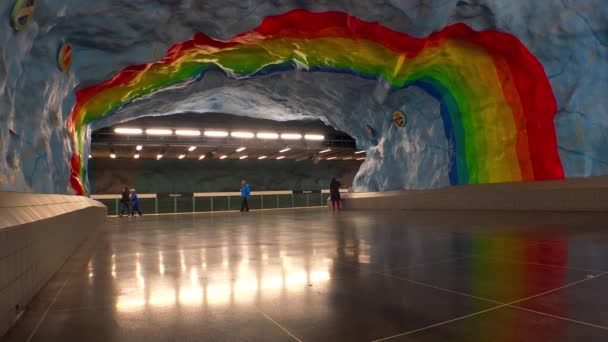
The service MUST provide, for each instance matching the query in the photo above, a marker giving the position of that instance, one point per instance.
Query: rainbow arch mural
(497, 104)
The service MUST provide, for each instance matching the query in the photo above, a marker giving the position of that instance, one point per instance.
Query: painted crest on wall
(22, 11)
(369, 131)
(64, 57)
(399, 119)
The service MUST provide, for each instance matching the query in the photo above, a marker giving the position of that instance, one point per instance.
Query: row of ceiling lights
(219, 134)
(240, 149)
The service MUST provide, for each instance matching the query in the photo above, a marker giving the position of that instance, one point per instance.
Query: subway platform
(311, 275)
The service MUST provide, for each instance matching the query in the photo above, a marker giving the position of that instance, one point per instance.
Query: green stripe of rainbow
(497, 103)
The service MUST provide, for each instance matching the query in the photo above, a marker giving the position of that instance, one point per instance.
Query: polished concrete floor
(312, 275)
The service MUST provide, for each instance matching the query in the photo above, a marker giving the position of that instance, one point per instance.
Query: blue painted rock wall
(569, 37)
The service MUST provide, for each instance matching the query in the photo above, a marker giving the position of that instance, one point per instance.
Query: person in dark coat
(334, 194)
(125, 201)
(135, 202)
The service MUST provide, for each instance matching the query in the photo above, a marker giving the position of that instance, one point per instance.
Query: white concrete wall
(37, 235)
(586, 194)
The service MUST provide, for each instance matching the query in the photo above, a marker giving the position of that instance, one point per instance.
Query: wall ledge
(579, 194)
(38, 233)
(20, 208)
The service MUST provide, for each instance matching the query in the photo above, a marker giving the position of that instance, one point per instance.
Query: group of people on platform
(129, 202)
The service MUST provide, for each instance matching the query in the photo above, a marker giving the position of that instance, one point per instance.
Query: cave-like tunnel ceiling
(485, 92)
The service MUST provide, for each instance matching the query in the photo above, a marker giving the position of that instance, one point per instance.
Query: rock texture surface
(568, 37)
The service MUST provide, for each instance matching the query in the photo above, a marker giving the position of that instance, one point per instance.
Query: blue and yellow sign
(399, 119)
(22, 11)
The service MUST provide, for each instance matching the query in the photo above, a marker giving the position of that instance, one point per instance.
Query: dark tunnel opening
(214, 152)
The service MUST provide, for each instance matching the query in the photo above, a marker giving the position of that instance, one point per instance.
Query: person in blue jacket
(135, 203)
(245, 192)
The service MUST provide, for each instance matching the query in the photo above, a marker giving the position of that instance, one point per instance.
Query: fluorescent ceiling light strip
(331, 158)
(139, 148)
(182, 156)
(188, 132)
(159, 156)
(136, 156)
(244, 135)
(325, 151)
(281, 157)
(360, 158)
(267, 135)
(157, 131)
(191, 148)
(359, 152)
(314, 137)
(348, 158)
(262, 157)
(201, 157)
(216, 134)
(241, 149)
(128, 130)
(224, 157)
(112, 155)
(291, 136)
(285, 150)
(243, 157)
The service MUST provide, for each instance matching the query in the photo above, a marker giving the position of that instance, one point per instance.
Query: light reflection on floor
(197, 286)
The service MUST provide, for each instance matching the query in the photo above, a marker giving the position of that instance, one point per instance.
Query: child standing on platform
(135, 201)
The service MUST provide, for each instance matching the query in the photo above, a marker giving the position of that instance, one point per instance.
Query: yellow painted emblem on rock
(22, 11)
(399, 119)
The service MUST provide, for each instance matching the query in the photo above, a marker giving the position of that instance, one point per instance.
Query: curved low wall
(587, 194)
(37, 235)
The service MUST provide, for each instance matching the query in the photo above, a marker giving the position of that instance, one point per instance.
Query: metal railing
(217, 201)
